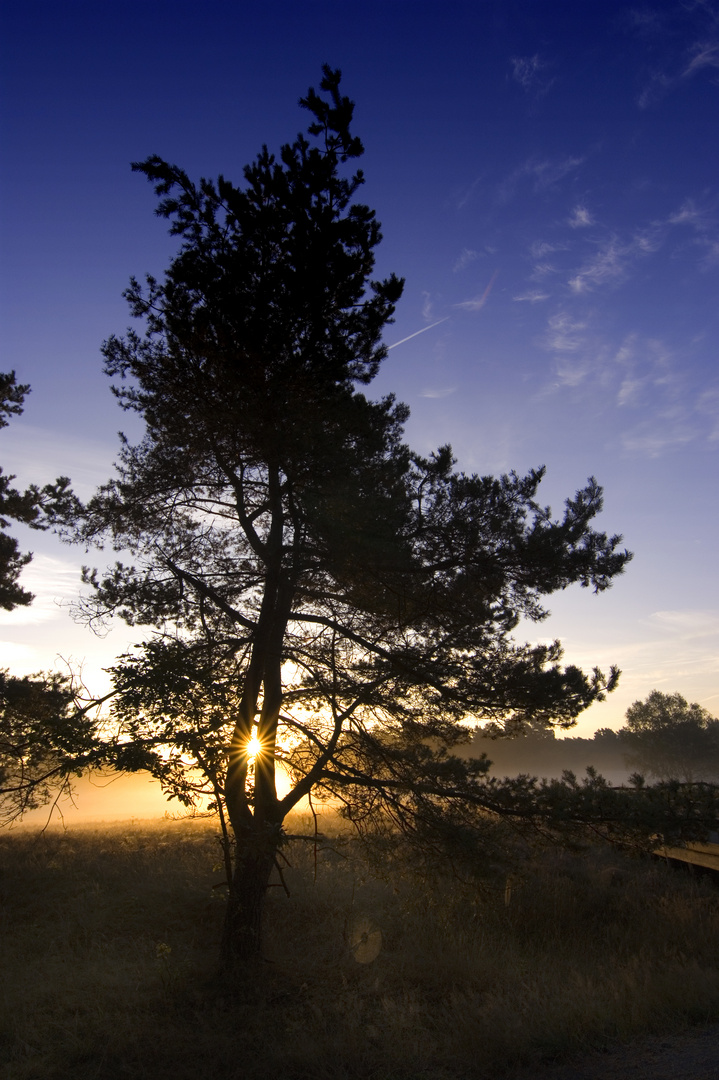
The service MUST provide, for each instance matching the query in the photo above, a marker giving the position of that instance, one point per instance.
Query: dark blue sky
(547, 176)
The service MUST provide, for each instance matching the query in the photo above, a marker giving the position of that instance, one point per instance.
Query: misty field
(376, 969)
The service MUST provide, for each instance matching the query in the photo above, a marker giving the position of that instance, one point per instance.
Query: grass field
(109, 939)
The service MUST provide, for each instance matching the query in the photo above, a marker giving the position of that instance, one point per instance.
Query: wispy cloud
(687, 214)
(702, 220)
(466, 257)
(708, 405)
(542, 271)
(615, 257)
(525, 69)
(465, 194)
(564, 332)
(629, 391)
(646, 369)
(528, 71)
(544, 173)
(430, 393)
(632, 384)
(653, 385)
(688, 624)
(712, 253)
(706, 54)
(548, 173)
(700, 54)
(653, 388)
(54, 581)
(661, 432)
(637, 363)
(580, 218)
(540, 248)
(672, 649)
(608, 265)
(534, 296)
(648, 21)
(581, 355)
(567, 340)
(659, 84)
(641, 383)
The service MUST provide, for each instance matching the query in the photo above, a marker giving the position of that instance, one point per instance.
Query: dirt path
(692, 1055)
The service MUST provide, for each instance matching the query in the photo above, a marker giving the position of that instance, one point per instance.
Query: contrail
(418, 332)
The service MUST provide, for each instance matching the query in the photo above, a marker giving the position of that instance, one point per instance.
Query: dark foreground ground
(692, 1055)
(538, 964)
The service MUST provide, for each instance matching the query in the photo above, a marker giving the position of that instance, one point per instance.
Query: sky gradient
(547, 178)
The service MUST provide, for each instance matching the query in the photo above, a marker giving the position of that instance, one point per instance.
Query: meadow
(375, 966)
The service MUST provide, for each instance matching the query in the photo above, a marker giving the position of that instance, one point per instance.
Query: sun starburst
(254, 747)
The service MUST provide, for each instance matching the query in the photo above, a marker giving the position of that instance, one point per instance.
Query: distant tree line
(665, 738)
(669, 739)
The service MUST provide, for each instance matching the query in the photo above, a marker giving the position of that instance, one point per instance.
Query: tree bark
(242, 934)
(256, 820)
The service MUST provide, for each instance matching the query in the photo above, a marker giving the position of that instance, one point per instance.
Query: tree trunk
(242, 933)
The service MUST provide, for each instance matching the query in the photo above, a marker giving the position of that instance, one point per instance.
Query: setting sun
(254, 747)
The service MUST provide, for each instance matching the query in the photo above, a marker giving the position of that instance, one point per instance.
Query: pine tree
(319, 596)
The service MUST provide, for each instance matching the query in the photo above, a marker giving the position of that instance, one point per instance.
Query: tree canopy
(318, 595)
(35, 507)
(42, 724)
(47, 735)
(670, 739)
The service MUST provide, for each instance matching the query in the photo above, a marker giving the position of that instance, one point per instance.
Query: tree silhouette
(670, 739)
(320, 597)
(48, 735)
(34, 507)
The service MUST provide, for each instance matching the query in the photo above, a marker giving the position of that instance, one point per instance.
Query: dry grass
(109, 940)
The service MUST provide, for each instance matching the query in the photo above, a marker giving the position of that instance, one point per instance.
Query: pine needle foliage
(309, 582)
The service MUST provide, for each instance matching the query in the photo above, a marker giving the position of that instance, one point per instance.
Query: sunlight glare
(254, 747)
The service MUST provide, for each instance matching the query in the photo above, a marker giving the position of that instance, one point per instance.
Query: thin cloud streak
(438, 393)
(417, 332)
(707, 55)
(533, 297)
(467, 193)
